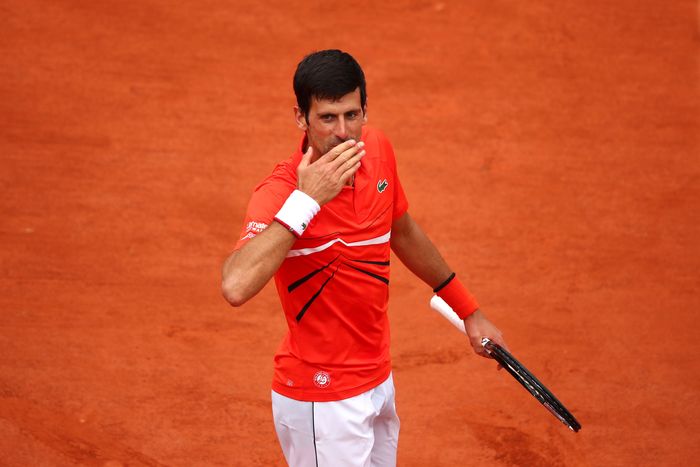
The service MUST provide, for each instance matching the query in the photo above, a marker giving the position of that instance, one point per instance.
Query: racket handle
(439, 305)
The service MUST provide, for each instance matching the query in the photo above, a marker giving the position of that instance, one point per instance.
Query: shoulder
(283, 176)
(373, 136)
(378, 144)
(276, 187)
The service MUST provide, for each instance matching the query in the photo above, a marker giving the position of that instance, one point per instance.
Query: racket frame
(530, 383)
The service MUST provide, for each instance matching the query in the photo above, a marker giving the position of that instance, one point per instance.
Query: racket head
(538, 390)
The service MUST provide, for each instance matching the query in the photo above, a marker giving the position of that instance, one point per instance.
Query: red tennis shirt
(334, 283)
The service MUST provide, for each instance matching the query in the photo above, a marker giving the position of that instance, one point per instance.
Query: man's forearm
(417, 252)
(247, 270)
(421, 257)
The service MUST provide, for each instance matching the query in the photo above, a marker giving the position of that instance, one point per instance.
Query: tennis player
(323, 224)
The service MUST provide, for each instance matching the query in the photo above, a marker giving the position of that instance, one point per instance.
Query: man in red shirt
(323, 224)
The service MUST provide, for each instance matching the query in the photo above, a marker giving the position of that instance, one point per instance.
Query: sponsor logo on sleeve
(381, 185)
(253, 228)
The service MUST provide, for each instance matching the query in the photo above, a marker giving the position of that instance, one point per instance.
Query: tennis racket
(521, 374)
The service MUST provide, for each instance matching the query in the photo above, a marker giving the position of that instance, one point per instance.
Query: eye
(352, 115)
(327, 118)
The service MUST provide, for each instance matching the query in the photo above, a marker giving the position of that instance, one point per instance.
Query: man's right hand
(324, 178)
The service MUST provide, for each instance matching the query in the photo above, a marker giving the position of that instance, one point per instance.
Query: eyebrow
(338, 113)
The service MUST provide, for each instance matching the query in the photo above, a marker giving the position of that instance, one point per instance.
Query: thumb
(306, 158)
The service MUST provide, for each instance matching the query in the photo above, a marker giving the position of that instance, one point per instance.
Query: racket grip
(439, 305)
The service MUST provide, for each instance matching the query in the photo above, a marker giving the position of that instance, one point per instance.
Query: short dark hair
(327, 74)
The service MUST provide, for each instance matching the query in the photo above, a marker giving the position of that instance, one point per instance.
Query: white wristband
(297, 212)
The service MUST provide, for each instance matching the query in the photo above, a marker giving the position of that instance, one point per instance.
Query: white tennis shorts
(361, 431)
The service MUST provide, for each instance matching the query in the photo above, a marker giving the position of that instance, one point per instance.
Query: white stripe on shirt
(372, 241)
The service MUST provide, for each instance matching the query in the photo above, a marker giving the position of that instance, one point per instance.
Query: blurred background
(549, 148)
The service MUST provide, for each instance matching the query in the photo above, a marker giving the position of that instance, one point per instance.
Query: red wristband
(457, 296)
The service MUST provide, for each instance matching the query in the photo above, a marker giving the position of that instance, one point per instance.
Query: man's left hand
(478, 326)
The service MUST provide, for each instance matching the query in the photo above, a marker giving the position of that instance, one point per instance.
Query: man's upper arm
(400, 226)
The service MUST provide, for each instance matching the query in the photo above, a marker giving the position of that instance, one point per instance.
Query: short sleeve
(266, 201)
(400, 202)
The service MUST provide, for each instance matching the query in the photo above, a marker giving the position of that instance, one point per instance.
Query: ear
(364, 114)
(300, 118)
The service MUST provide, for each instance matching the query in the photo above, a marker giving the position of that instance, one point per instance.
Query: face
(332, 121)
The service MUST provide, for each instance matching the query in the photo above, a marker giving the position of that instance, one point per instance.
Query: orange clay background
(549, 148)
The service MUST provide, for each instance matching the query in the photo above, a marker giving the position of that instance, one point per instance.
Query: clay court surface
(549, 148)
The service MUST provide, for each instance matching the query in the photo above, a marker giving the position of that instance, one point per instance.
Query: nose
(341, 129)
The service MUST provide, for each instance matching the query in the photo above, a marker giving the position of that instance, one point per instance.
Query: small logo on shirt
(322, 379)
(256, 227)
(381, 185)
(253, 228)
